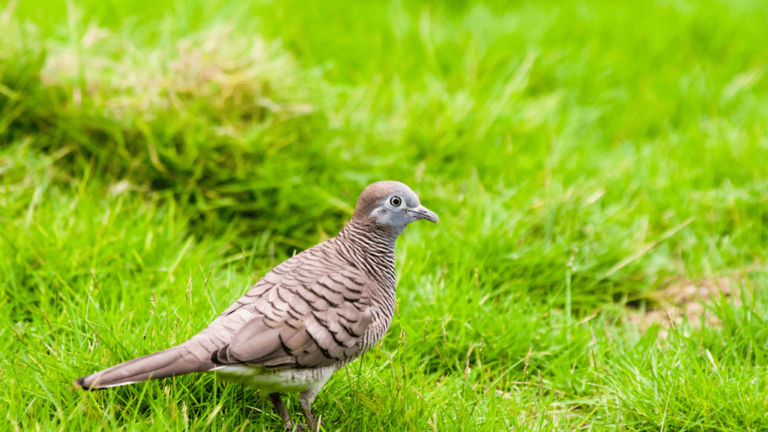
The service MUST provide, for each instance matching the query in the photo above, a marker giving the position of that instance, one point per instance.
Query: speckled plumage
(307, 318)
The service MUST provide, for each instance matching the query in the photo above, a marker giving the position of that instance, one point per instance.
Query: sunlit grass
(156, 158)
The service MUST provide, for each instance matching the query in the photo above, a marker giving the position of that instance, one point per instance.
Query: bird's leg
(277, 401)
(305, 399)
(312, 422)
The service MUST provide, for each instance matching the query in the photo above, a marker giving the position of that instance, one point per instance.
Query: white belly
(271, 381)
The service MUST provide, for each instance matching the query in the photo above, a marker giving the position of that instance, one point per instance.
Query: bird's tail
(171, 362)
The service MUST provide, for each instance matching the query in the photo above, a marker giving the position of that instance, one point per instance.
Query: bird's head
(391, 204)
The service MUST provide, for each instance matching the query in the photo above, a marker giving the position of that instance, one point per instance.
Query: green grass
(157, 157)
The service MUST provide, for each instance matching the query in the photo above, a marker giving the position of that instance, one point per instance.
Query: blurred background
(600, 168)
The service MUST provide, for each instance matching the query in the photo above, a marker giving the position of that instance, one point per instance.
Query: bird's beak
(422, 212)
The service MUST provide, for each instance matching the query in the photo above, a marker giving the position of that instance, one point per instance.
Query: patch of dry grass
(688, 302)
(231, 79)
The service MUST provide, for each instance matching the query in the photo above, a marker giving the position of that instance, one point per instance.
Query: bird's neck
(367, 233)
(372, 247)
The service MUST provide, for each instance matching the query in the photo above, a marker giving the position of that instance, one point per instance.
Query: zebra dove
(304, 320)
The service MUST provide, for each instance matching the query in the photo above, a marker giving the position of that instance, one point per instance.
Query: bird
(308, 317)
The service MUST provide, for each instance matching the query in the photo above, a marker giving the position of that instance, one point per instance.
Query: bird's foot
(313, 425)
(303, 427)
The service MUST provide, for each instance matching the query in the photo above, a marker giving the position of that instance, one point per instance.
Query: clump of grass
(200, 117)
(229, 84)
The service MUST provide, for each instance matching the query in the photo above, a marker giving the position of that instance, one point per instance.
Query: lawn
(600, 169)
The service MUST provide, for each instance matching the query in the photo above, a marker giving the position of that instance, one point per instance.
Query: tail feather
(171, 362)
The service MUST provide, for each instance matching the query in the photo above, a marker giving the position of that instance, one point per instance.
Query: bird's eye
(395, 201)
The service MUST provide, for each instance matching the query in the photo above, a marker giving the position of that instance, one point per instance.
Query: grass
(156, 158)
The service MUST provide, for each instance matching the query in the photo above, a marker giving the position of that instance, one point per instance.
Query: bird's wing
(310, 311)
